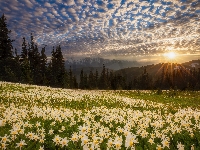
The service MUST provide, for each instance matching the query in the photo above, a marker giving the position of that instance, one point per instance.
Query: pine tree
(34, 59)
(5, 41)
(43, 67)
(103, 79)
(81, 84)
(7, 63)
(58, 72)
(71, 84)
(91, 81)
(85, 81)
(24, 64)
(24, 52)
(75, 84)
(96, 78)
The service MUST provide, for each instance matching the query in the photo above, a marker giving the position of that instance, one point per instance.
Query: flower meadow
(43, 118)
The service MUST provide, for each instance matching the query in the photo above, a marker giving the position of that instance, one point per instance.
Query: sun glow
(170, 55)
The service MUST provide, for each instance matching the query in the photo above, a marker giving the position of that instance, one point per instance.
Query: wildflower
(151, 141)
(41, 140)
(110, 142)
(41, 148)
(84, 140)
(2, 123)
(57, 139)
(159, 147)
(95, 142)
(83, 129)
(74, 137)
(180, 146)
(30, 135)
(3, 145)
(21, 143)
(192, 147)
(50, 131)
(165, 143)
(118, 142)
(5, 139)
(64, 142)
(37, 124)
(130, 140)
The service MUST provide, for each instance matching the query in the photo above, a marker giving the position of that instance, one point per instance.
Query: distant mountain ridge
(130, 69)
(98, 63)
(156, 70)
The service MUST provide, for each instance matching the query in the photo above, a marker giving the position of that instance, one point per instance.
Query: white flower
(84, 140)
(57, 139)
(2, 123)
(74, 137)
(180, 146)
(21, 143)
(50, 131)
(64, 142)
(3, 145)
(41, 148)
(165, 143)
(5, 139)
(130, 140)
(151, 141)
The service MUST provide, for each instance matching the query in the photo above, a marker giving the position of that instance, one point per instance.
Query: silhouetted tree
(91, 81)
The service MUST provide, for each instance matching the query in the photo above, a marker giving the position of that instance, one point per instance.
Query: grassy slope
(179, 98)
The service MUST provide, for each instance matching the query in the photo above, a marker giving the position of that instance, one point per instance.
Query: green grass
(178, 98)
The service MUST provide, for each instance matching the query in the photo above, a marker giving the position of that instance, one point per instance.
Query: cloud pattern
(107, 27)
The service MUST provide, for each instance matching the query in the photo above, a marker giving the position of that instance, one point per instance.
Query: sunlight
(170, 55)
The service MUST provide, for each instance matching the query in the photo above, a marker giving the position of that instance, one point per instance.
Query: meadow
(43, 118)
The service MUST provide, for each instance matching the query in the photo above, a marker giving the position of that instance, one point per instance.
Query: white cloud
(47, 4)
(28, 3)
(69, 2)
(80, 2)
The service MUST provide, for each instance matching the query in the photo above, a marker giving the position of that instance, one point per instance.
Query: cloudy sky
(141, 30)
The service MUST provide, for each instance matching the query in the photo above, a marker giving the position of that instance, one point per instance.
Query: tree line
(32, 67)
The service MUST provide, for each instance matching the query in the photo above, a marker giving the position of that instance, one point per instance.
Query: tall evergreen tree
(34, 60)
(58, 71)
(71, 80)
(7, 63)
(96, 78)
(91, 81)
(103, 79)
(75, 84)
(43, 67)
(81, 84)
(5, 41)
(26, 76)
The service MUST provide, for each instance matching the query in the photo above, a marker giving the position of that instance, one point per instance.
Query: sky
(141, 30)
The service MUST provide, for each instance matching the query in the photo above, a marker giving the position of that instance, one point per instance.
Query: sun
(170, 55)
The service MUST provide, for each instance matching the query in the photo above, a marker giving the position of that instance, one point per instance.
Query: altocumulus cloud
(107, 27)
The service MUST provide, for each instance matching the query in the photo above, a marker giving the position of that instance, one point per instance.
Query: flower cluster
(35, 117)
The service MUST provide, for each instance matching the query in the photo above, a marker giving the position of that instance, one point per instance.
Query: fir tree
(103, 79)
(7, 63)
(71, 80)
(5, 41)
(81, 84)
(43, 67)
(26, 76)
(91, 81)
(58, 72)
(96, 78)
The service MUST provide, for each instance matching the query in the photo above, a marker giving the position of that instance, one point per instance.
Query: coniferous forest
(32, 67)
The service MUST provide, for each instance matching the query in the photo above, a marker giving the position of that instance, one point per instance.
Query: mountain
(98, 63)
(130, 69)
(156, 70)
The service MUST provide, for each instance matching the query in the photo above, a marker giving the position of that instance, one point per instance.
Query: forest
(31, 66)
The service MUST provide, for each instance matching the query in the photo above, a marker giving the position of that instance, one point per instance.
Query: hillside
(156, 70)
